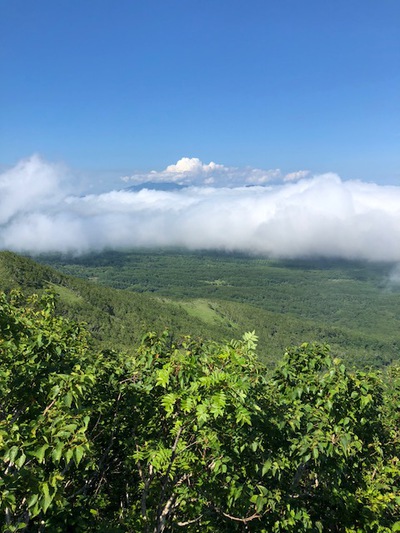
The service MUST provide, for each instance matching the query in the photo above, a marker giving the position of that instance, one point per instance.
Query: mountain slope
(118, 318)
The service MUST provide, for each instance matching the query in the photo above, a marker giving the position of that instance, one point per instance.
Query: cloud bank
(300, 216)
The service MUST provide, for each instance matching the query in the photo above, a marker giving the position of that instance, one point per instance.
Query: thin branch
(145, 491)
(301, 470)
(167, 473)
(49, 406)
(188, 522)
(162, 519)
(243, 520)
(170, 504)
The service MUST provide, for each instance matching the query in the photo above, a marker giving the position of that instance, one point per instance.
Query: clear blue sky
(119, 86)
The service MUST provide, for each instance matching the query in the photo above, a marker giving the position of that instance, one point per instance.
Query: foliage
(186, 435)
(42, 424)
(336, 443)
(192, 434)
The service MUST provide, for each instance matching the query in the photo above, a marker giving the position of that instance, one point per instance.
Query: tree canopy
(188, 435)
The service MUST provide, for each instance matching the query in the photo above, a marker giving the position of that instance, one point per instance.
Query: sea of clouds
(207, 206)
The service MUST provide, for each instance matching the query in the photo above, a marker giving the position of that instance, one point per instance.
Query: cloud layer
(298, 217)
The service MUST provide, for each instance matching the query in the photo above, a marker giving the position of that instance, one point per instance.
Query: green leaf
(266, 467)
(47, 498)
(68, 399)
(243, 416)
(57, 451)
(202, 413)
(11, 454)
(163, 376)
(32, 500)
(68, 455)
(168, 402)
(78, 454)
(21, 460)
(40, 453)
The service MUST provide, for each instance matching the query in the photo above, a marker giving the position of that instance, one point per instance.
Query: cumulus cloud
(192, 171)
(305, 216)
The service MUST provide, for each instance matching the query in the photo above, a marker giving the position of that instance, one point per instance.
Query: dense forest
(109, 426)
(353, 306)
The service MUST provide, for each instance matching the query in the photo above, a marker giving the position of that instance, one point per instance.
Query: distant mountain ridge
(157, 186)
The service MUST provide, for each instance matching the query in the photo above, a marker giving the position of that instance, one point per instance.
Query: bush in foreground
(188, 435)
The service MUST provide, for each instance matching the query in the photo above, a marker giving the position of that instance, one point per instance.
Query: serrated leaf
(202, 413)
(243, 416)
(163, 376)
(168, 402)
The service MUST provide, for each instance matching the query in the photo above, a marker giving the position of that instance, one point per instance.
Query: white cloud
(193, 165)
(192, 171)
(313, 216)
(31, 181)
(298, 175)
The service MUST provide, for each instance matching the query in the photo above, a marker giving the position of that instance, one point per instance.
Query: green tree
(183, 435)
(335, 475)
(42, 424)
(186, 435)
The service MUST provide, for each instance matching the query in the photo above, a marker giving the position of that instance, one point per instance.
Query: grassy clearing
(202, 309)
(67, 296)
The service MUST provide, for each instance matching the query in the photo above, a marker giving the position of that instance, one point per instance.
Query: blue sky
(118, 88)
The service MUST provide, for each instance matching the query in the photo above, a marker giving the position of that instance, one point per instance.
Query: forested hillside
(188, 435)
(353, 306)
(116, 319)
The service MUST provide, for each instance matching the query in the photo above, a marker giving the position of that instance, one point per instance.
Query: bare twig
(243, 520)
(145, 491)
(166, 475)
(188, 522)
(170, 503)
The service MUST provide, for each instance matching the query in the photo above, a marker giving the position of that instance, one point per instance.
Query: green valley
(352, 306)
